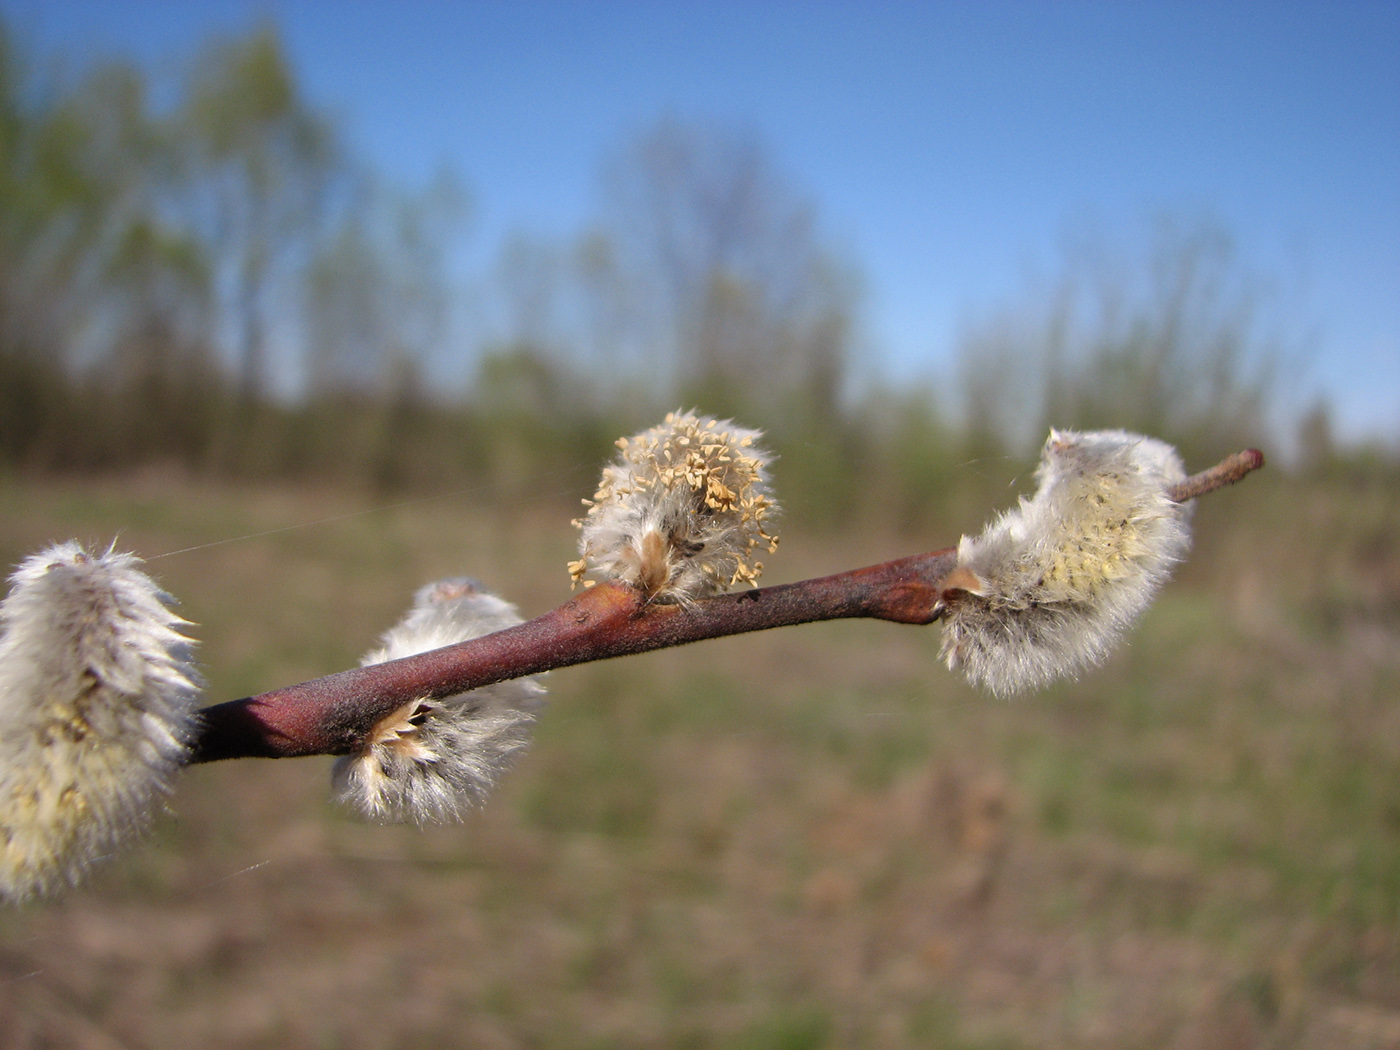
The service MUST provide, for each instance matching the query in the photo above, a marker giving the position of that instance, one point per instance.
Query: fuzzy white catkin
(681, 512)
(97, 710)
(1049, 588)
(433, 759)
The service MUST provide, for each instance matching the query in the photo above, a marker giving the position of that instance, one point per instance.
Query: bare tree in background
(376, 301)
(730, 276)
(1169, 339)
(376, 316)
(103, 295)
(261, 165)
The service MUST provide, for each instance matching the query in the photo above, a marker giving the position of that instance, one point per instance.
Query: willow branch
(1228, 471)
(335, 714)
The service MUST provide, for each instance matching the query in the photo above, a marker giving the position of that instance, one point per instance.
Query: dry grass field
(811, 838)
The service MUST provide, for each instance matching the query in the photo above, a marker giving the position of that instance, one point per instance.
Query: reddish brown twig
(333, 715)
(1228, 471)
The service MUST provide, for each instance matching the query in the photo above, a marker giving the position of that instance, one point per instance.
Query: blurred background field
(814, 837)
(225, 341)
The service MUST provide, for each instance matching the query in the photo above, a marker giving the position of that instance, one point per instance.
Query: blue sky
(949, 148)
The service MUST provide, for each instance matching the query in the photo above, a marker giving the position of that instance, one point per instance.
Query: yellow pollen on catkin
(1051, 586)
(681, 511)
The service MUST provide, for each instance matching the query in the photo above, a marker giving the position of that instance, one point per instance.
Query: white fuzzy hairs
(97, 709)
(98, 694)
(681, 512)
(432, 760)
(1049, 587)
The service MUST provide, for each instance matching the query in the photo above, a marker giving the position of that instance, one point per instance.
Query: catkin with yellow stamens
(682, 512)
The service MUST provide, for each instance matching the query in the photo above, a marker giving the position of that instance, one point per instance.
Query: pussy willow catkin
(432, 759)
(97, 699)
(682, 512)
(1049, 587)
